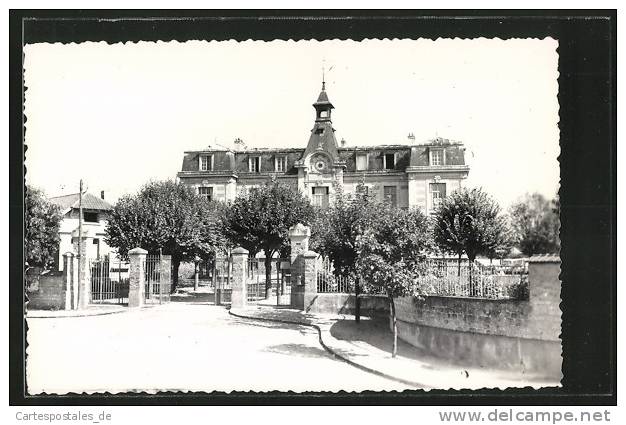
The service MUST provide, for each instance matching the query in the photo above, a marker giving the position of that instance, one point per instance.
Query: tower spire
(323, 75)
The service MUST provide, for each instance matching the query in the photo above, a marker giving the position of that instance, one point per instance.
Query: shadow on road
(376, 333)
(301, 350)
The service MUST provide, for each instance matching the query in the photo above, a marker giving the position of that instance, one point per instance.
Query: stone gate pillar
(309, 278)
(299, 236)
(239, 296)
(83, 282)
(68, 269)
(137, 277)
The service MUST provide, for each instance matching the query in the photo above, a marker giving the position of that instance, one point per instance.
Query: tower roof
(322, 99)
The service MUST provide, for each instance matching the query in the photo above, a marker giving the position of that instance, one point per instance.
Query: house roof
(90, 202)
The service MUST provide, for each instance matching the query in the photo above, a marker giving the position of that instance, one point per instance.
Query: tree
(391, 255)
(535, 221)
(336, 231)
(42, 221)
(261, 217)
(169, 217)
(469, 221)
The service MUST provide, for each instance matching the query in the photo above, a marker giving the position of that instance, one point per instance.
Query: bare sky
(120, 115)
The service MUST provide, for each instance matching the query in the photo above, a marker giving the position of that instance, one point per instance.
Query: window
(437, 193)
(320, 197)
(319, 131)
(280, 163)
(206, 163)
(436, 157)
(90, 217)
(254, 164)
(206, 192)
(324, 114)
(390, 195)
(361, 161)
(390, 161)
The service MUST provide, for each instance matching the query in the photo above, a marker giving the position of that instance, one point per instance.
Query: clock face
(320, 164)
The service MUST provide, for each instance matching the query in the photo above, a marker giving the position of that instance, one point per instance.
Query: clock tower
(320, 169)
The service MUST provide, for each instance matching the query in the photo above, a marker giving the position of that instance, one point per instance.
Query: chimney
(411, 138)
(343, 142)
(102, 194)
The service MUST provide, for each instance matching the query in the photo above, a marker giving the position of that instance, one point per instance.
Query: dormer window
(280, 164)
(389, 161)
(254, 164)
(436, 157)
(206, 162)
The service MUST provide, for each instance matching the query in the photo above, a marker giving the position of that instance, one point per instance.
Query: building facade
(95, 215)
(406, 175)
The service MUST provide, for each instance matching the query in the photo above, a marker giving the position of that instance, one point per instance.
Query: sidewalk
(367, 345)
(91, 310)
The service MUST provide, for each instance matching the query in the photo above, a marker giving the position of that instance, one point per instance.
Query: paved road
(183, 347)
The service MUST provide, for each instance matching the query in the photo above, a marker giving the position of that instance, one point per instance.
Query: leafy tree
(339, 227)
(166, 216)
(536, 224)
(261, 217)
(42, 221)
(336, 231)
(469, 221)
(390, 256)
(504, 240)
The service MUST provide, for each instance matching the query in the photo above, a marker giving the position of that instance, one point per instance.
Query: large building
(407, 175)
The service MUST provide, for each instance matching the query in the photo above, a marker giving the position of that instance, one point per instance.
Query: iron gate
(222, 280)
(280, 281)
(158, 281)
(109, 281)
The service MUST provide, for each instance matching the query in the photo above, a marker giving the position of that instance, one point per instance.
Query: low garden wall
(50, 292)
(341, 303)
(491, 333)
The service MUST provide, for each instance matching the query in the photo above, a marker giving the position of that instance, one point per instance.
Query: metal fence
(472, 280)
(221, 279)
(329, 280)
(279, 284)
(157, 287)
(109, 281)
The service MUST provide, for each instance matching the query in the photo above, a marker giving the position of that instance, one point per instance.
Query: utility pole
(80, 236)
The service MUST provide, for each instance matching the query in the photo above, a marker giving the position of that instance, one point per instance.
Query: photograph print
(306, 216)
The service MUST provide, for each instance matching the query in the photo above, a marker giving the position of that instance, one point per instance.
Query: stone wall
(371, 305)
(491, 333)
(50, 294)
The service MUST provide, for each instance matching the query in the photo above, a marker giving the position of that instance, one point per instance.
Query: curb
(334, 353)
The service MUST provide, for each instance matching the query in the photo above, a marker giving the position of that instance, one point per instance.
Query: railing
(280, 279)
(446, 278)
(329, 281)
(157, 290)
(109, 281)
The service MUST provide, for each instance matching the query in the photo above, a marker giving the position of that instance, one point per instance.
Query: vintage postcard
(306, 216)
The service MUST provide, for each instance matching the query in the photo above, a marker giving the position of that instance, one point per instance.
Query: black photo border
(587, 97)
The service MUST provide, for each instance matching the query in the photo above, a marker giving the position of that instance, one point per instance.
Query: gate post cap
(137, 251)
(310, 254)
(240, 251)
(68, 254)
(299, 230)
